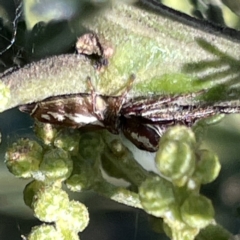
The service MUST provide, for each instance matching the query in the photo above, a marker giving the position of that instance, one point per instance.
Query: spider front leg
(98, 104)
(128, 87)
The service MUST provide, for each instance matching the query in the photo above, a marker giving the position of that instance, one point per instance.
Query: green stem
(159, 8)
(165, 54)
(118, 194)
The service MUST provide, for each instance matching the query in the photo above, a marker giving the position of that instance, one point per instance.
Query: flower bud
(23, 158)
(90, 145)
(156, 195)
(68, 140)
(44, 232)
(30, 190)
(181, 134)
(197, 211)
(50, 203)
(76, 219)
(82, 177)
(176, 160)
(45, 131)
(208, 167)
(56, 164)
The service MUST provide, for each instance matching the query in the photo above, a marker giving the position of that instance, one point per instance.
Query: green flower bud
(23, 158)
(208, 167)
(176, 228)
(90, 145)
(216, 231)
(68, 234)
(197, 211)
(44, 232)
(76, 219)
(68, 140)
(45, 131)
(85, 173)
(81, 179)
(30, 190)
(156, 195)
(176, 160)
(181, 134)
(56, 164)
(50, 203)
(118, 149)
(75, 183)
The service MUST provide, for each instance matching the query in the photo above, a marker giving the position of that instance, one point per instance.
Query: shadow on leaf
(221, 73)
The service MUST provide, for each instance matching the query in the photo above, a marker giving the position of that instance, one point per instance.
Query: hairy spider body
(142, 120)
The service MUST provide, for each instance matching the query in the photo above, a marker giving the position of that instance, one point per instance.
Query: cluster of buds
(67, 156)
(174, 196)
(49, 164)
